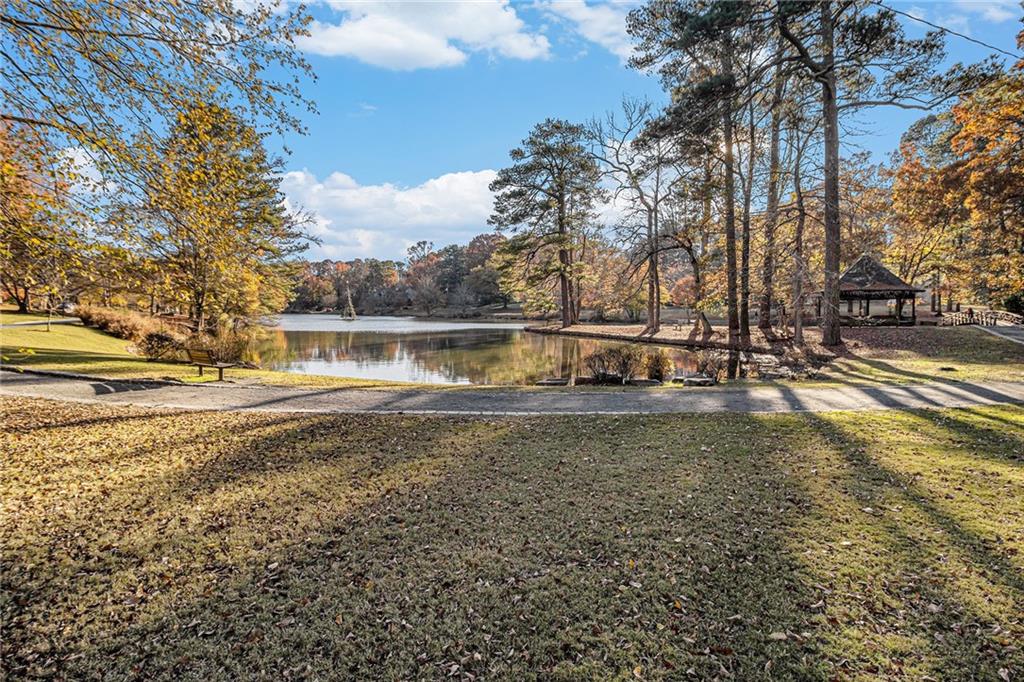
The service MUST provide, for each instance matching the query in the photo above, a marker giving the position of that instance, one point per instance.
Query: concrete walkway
(1010, 332)
(37, 323)
(496, 401)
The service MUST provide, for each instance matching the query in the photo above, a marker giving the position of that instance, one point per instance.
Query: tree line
(741, 176)
(734, 196)
(455, 277)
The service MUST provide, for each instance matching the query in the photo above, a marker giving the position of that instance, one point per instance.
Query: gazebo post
(913, 311)
(899, 310)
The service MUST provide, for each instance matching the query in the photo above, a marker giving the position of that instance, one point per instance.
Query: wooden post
(899, 310)
(913, 311)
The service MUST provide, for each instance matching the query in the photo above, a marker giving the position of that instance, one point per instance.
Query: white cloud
(604, 24)
(424, 35)
(916, 12)
(996, 11)
(955, 22)
(381, 221)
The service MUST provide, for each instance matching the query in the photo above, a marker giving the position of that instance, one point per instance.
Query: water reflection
(428, 353)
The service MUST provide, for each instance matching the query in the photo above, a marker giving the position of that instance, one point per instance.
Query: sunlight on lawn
(210, 544)
(939, 513)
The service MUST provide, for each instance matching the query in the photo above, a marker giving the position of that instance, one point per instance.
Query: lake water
(426, 351)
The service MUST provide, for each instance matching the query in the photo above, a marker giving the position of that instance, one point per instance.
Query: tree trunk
(12, 290)
(771, 218)
(798, 252)
(199, 310)
(730, 215)
(564, 282)
(653, 276)
(830, 335)
(748, 191)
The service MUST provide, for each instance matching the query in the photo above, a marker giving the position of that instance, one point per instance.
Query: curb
(90, 377)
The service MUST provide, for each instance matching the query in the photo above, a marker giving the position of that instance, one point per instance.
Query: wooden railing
(984, 318)
(1012, 318)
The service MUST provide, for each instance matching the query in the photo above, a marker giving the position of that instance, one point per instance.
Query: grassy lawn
(10, 315)
(901, 356)
(163, 545)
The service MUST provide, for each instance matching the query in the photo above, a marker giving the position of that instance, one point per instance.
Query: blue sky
(420, 102)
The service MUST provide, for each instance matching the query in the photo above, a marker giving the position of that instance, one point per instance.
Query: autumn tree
(39, 246)
(991, 128)
(422, 276)
(860, 56)
(102, 76)
(927, 212)
(642, 168)
(546, 199)
(214, 217)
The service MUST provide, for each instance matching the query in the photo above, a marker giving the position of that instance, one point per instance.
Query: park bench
(202, 358)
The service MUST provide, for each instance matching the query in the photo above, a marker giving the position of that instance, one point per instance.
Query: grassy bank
(83, 350)
(871, 356)
(881, 355)
(143, 544)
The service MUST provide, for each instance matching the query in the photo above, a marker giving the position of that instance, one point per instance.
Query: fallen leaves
(209, 545)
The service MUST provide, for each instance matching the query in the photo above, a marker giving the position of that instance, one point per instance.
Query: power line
(948, 30)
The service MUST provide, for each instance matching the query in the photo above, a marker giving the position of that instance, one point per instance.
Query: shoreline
(690, 344)
(434, 318)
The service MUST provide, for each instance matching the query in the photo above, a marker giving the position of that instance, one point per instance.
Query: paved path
(36, 323)
(1010, 332)
(496, 401)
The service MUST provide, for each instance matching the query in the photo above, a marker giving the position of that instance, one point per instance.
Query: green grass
(162, 545)
(84, 350)
(923, 354)
(9, 315)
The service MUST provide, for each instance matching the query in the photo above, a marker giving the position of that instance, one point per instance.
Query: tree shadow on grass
(427, 547)
(967, 427)
(561, 562)
(958, 594)
(178, 534)
(362, 547)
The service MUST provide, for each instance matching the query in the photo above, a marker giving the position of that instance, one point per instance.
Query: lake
(425, 351)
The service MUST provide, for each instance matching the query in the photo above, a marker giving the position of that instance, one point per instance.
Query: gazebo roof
(867, 278)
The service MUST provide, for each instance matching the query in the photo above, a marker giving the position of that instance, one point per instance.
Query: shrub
(160, 345)
(225, 346)
(628, 361)
(1015, 303)
(712, 363)
(598, 366)
(616, 364)
(659, 365)
(85, 314)
(124, 324)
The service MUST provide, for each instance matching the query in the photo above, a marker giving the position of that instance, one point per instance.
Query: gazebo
(868, 280)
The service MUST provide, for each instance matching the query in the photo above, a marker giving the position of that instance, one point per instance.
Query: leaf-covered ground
(921, 354)
(162, 545)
